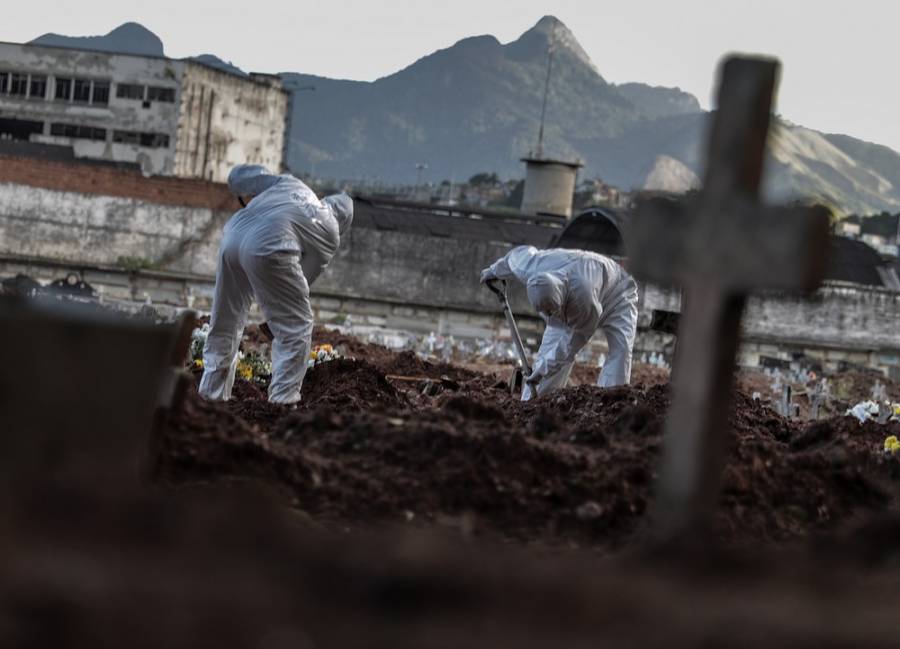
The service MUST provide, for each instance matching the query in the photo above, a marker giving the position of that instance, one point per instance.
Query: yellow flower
(198, 362)
(891, 444)
(245, 371)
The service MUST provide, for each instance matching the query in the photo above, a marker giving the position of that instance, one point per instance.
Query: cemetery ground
(385, 439)
(415, 504)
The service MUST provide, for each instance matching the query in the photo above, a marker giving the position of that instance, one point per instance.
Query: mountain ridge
(475, 106)
(127, 38)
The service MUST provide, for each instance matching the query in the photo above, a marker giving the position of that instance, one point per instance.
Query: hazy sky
(839, 57)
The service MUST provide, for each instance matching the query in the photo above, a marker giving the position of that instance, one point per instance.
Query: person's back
(577, 292)
(287, 218)
(272, 250)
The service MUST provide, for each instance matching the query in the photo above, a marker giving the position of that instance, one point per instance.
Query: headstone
(786, 406)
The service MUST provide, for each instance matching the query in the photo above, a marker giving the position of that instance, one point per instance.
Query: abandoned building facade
(171, 117)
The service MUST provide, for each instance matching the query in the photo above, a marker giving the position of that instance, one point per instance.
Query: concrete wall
(406, 280)
(109, 230)
(226, 120)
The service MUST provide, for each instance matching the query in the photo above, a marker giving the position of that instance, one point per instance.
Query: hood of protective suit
(546, 293)
(250, 180)
(342, 208)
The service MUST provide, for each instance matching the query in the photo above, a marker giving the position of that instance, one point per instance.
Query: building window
(63, 88)
(149, 140)
(4, 82)
(126, 137)
(38, 86)
(101, 93)
(129, 91)
(82, 90)
(156, 93)
(78, 131)
(19, 129)
(18, 84)
(155, 140)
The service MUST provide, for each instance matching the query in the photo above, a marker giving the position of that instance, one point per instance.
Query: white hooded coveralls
(576, 292)
(271, 250)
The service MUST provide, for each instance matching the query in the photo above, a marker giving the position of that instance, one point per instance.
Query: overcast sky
(839, 57)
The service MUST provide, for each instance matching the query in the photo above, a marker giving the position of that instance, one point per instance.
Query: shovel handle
(492, 287)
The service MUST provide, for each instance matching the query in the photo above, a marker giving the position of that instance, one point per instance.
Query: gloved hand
(534, 379)
(487, 275)
(531, 386)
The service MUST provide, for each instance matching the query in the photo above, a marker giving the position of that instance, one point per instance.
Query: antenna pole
(540, 144)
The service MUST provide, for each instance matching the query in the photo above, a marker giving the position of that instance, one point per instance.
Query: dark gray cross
(719, 247)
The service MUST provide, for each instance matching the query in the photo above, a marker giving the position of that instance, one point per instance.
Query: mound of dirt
(351, 347)
(406, 363)
(577, 467)
(353, 384)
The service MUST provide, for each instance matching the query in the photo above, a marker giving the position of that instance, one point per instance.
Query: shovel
(524, 369)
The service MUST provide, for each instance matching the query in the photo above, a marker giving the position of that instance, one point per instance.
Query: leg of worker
(231, 302)
(619, 328)
(558, 379)
(282, 293)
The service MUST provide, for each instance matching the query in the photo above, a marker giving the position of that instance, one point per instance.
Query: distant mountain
(475, 107)
(215, 62)
(128, 38)
(669, 175)
(656, 101)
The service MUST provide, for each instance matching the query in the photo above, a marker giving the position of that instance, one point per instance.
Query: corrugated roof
(597, 229)
(453, 222)
(854, 261)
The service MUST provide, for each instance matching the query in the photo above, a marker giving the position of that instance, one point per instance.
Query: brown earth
(94, 566)
(575, 468)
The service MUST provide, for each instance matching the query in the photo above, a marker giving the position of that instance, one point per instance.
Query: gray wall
(406, 270)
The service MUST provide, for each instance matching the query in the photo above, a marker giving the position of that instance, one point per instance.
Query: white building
(172, 117)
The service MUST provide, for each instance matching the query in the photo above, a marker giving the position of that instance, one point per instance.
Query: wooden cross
(720, 246)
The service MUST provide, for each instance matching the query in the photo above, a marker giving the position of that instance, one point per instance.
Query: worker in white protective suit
(272, 250)
(576, 292)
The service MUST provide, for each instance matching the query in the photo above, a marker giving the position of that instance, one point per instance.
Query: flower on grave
(253, 366)
(891, 445)
(244, 370)
(322, 354)
(198, 340)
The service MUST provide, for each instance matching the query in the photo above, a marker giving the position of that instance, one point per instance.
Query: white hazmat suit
(271, 250)
(576, 292)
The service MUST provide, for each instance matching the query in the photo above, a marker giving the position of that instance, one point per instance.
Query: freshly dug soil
(574, 468)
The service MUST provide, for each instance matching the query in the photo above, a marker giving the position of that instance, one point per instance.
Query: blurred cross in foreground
(719, 247)
(80, 389)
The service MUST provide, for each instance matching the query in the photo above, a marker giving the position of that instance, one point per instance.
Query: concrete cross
(720, 246)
